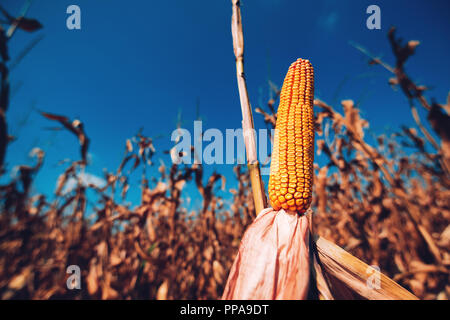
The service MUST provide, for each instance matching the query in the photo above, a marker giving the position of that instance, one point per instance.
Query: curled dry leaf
(162, 291)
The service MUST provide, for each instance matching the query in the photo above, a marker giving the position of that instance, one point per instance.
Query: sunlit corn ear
(291, 169)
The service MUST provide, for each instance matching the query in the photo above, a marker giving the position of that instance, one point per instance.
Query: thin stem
(247, 117)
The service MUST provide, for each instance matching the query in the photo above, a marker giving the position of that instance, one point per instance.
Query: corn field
(385, 199)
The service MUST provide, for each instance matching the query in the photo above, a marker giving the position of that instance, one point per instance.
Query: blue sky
(138, 63)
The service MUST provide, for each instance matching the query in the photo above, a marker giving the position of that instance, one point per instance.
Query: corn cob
(291, 169)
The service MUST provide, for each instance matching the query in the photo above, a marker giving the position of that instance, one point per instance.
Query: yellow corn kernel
(293, 150)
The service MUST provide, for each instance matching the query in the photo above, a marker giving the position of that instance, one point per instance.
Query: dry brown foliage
(387, 203)
(155, 250)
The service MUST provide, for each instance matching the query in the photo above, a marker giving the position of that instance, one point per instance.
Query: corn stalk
(247, 117)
